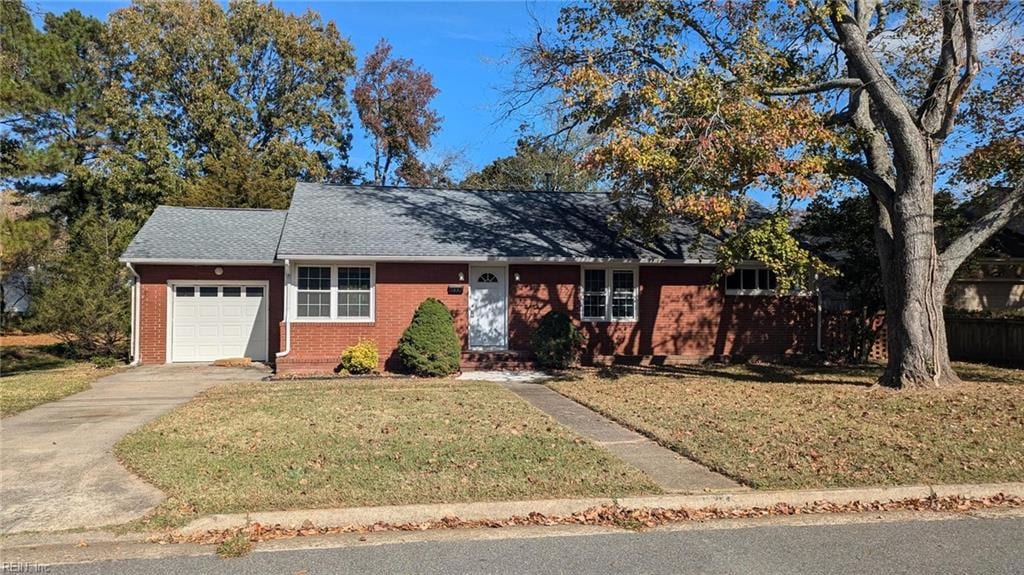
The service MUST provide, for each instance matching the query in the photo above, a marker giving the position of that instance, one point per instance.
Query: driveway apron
(57, 467)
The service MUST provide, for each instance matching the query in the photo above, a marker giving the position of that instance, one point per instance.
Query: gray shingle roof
(208, 234)
(333, 220)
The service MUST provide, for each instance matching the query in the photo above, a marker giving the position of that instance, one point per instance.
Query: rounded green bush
(361, 358)
(430, 346)
(557, 342)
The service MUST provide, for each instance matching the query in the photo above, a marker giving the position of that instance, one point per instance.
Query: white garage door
(211, 322)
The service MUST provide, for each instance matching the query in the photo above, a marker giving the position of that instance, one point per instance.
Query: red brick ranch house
(296, 287)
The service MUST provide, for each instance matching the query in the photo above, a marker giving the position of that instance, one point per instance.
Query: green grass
(789, 427)
(33, 375)
(330, 443)
(16, 359)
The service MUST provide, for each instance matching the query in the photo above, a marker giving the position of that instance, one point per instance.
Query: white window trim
(608, 288)
(748, 292)
(293, 288)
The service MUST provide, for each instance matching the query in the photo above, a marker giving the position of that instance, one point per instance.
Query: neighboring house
(994, 280)
(14, 287)
(344, 263)
(15, 294)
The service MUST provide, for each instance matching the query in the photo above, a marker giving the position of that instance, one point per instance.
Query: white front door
(488, 308)
(211, 322)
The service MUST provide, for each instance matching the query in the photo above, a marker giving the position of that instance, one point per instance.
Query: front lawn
(786, 427)
(330, 443)
(34, 374)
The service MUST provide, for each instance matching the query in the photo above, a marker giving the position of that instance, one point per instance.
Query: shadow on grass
(861, 376)
(29, 358)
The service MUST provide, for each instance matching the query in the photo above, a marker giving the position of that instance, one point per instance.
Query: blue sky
(465, 45)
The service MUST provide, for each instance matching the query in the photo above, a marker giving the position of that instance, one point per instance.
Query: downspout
(817, 291)
(133, 338)
(287, 312)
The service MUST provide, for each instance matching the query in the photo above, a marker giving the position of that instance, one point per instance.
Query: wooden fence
(985, 339)
(981, 339)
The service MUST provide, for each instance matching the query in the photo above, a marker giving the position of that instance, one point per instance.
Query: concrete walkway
(673, 472)
(503, 376)
(57, 467)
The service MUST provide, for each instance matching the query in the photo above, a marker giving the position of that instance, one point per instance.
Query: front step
(477, 360)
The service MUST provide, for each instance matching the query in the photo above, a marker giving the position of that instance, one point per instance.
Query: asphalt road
(953, 546)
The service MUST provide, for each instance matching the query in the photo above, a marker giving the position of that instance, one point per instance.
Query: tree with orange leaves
(700, 102)
(393, 98)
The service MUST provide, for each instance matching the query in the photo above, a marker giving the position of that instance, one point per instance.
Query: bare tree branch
(880, 176)
(709, 39)
(892, 109)
(876, 184)
(982, 229)
(841, 118)
(971, 68)
(938, 109)
(833, 84)
(883, 17)
(813, 11)
(650, 60)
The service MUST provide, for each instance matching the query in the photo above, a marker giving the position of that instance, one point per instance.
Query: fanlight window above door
(487, 278)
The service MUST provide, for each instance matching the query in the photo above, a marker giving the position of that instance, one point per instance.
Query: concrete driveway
(57, 468)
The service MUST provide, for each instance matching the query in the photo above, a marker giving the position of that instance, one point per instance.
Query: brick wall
(681, 316)
(153, 301)
(400, 288)
(540, 289)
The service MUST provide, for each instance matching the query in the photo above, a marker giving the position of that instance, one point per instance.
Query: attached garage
(208, 285)
(216, 321)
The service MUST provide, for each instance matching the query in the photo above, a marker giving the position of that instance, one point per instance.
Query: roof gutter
(512, 260)
(133, 336)
(195, 262)
(287, 313)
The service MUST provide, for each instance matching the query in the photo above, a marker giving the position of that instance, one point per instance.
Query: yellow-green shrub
(360, 358)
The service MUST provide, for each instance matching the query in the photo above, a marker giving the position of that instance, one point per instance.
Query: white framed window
(354, 293)
(610, 294)
(751, 281)
(595, 295)
(343, 293)
(314, 291)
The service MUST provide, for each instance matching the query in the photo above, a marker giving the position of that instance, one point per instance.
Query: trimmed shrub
(104, 361)
(557, 342)
(430, 347)
(360, 358)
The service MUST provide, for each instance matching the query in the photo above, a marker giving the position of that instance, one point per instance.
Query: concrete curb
(748, 499)
(395, 513)
(502, 510)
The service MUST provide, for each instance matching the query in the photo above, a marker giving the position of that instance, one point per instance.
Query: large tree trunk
(918, 354)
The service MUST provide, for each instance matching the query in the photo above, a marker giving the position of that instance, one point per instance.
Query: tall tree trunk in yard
(901, 149)
(918, 355)
(699, 103)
